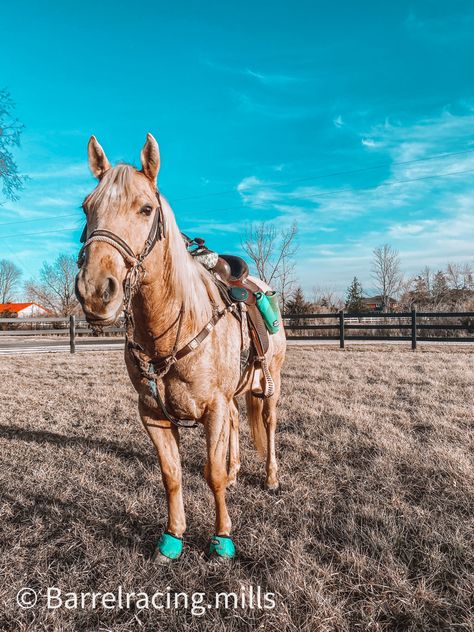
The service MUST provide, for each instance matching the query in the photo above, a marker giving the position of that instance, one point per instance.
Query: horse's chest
(191, 386)
(181, 397)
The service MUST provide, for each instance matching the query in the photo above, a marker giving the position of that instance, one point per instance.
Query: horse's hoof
(221, 549)
(216, 561)
(161, 560)
(274, 490)
(168, 549)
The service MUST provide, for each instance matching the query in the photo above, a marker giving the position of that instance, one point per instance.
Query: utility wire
(341, 173)
(37, 219)
(315, 195)
(41, 232)
(351, 190)
(288, 182)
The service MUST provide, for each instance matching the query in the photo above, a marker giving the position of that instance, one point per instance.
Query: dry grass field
(373, 529)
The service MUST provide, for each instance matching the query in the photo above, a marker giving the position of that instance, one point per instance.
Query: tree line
(447, 289)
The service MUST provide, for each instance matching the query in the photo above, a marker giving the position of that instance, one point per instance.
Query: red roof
(17, 307)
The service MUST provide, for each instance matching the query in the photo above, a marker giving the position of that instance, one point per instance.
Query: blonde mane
(190, 282)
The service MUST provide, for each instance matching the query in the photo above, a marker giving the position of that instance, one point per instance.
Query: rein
(151, 370)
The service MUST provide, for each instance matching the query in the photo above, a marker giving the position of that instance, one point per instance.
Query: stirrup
(269, 387)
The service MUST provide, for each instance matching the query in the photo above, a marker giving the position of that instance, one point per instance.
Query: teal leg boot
(221, 547)
(168, 548)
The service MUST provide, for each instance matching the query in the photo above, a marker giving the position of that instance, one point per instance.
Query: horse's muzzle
(101, 300)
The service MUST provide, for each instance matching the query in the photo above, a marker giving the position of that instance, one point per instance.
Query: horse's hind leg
(234, 449)
(270, 422)
(165, 438)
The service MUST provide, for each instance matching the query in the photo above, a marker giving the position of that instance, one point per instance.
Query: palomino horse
(134, 258)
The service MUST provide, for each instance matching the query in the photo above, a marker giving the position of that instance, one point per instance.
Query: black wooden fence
(410, 326)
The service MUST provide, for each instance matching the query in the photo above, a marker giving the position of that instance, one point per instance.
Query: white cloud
(61, 171)
(402, 230)
(208, 228)
(272, 79)
(274, 108)
(256, 192)
(52, 201)
(368, 142)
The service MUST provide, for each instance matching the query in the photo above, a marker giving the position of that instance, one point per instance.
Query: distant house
(23, 310)
(375, 303)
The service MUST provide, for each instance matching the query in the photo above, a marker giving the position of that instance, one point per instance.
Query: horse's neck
(173, 286)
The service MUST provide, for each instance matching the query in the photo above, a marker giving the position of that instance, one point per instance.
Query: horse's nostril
(110, 290)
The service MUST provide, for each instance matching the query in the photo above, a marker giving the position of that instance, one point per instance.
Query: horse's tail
(257, 427)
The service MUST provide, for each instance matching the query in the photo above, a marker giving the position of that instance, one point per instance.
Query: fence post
(413, 327)
(341, 329)
(72, 333)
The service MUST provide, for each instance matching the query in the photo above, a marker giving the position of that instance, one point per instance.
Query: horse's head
(124, 203)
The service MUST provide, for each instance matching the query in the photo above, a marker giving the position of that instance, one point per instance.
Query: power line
(342, 173)
(334, 192)
(351, 190)
(41, 232)
(37, 219)
(288, 182)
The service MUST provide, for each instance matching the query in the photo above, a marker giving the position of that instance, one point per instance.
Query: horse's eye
(146, 210)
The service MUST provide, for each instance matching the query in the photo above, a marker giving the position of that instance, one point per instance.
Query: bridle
(135, 270)
(150, 369)
(157, 232)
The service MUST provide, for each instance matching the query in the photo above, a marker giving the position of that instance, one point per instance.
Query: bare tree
(10, 276)
(10, 133)
(326, 297)
(427, 275)
(386, 273)
(55, 288)
(272, 253)
(459, 276)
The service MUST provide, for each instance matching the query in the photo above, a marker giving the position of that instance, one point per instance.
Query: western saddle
(231, 274)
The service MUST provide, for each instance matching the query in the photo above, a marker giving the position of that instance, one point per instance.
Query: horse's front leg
(166, 441)
(217, 424)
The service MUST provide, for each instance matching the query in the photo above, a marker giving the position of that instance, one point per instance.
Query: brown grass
(373, 530)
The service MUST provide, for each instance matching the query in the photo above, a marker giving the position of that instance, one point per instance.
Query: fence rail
(411, 323)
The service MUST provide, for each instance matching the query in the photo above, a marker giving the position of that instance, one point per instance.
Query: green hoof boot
(222, 547)
(169, 548)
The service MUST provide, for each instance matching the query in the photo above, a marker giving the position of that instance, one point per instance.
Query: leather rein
(150, 369)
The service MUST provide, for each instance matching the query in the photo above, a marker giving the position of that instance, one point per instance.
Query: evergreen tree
(354, 297)
(297, 304)
(440, 289)
(420, 293)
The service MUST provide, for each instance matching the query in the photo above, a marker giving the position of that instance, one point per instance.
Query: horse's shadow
(46, 436)
(113, 525)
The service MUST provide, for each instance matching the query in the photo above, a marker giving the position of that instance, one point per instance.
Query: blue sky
(263, 110)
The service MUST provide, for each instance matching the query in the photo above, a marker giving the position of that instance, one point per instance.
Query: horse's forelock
(118, 184)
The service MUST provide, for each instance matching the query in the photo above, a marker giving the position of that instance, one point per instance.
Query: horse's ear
(98, 162)
(150, 158)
